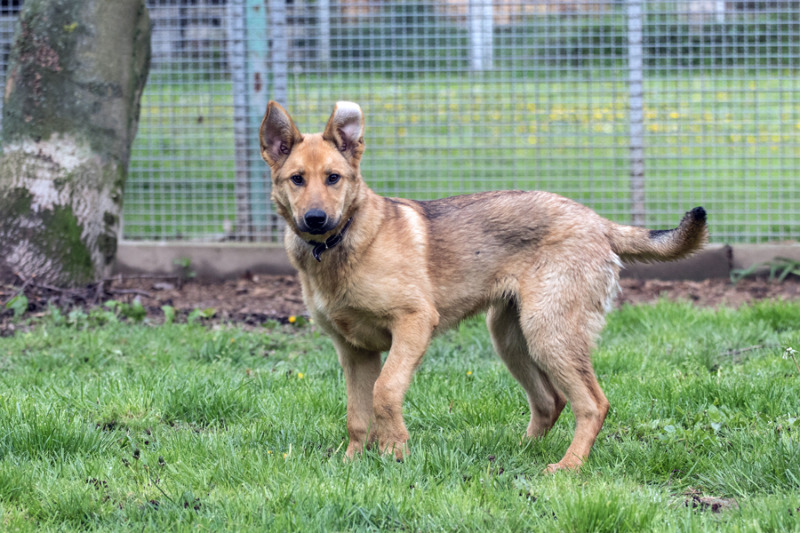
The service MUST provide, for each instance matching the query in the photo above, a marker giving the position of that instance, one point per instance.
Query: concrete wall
(231, 260)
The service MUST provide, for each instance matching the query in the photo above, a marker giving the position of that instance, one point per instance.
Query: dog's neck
(331, 242)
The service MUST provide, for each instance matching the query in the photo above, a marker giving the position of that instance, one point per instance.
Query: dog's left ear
(345, 129)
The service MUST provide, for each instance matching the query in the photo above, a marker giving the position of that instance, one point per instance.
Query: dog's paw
(352, 452)
(397, 448)
(570, 466)
(356, 447)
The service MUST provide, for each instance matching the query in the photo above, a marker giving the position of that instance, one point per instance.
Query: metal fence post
(719, 11)
(636, 111)
(324, 43)
(257, 56)
(237, 59)
(481, 22)
(280, 51)
(7, 19)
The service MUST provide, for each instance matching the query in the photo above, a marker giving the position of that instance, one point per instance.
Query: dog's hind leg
(561, 313)
(361, 369)
(545, 401)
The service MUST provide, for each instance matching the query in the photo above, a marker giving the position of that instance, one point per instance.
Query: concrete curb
(214, 261)
(713, 262)
(211, 261)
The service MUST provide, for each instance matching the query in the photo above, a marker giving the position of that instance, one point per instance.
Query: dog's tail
(639, 244)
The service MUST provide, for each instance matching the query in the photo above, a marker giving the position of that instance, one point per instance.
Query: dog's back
(480, 245)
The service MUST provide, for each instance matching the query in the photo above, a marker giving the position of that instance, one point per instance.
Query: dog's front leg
(411, 334)
(361, 369)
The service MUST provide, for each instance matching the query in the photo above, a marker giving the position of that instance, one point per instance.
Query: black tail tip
(698, 214)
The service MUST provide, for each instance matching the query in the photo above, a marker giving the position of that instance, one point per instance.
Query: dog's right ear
(277, 135)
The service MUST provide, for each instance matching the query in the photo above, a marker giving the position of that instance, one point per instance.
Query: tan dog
(388, 274)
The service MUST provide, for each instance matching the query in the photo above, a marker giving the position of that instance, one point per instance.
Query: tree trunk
(75, 78)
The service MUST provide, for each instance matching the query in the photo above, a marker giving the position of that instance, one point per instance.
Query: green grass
(728, 140)
(177, 427)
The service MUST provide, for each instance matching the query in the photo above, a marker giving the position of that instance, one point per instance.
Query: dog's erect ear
(345, 129)
(277, 134)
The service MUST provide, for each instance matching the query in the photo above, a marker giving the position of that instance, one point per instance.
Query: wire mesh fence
(638, 109)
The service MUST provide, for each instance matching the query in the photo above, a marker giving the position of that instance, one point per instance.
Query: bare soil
(255, 299)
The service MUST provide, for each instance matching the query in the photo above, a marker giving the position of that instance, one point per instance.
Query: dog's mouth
(317, 227)
(315, 231)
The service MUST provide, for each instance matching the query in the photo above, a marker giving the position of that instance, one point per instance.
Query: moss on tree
(62, 241)
(52, 233)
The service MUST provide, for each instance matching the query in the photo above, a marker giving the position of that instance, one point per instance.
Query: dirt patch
(710, 292)
(271, 297)
(257, 299)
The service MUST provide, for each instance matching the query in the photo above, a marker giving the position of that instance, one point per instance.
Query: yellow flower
(292, 319)
(469, 372)
(300, 375)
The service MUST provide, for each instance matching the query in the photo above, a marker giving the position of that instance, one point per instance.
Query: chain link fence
(637, 109)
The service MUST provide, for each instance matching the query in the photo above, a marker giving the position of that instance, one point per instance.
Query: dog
(387, 274)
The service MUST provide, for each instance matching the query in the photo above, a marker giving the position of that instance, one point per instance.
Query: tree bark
(75, 79)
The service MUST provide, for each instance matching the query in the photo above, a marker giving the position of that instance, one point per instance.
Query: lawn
(112, 425)
(727, 139)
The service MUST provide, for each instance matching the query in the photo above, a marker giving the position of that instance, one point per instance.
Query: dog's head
(316, 177)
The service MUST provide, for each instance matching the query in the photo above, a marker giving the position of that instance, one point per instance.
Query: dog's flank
(544, 268)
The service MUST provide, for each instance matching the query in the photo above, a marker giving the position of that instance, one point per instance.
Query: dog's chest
(362, 330)
(354, 319)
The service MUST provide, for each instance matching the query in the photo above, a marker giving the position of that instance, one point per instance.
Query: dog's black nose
(315, 219)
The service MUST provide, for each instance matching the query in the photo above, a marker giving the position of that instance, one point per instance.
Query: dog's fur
(395, 272)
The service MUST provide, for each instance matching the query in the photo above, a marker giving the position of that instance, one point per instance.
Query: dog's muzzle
(316, 222)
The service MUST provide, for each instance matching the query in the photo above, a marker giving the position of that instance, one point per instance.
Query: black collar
(331, 242)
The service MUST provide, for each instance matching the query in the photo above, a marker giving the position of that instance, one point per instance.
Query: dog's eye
(333, 179)
(297, 179)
